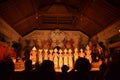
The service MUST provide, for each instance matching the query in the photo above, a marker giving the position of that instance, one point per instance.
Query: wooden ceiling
(87, 16)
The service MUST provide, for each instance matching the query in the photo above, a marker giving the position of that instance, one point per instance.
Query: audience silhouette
(102, 71)
(81, 70)
(6, 70)
(64, 75)
(28, 65)
(46, 71)
(27, 73)
(114, 68)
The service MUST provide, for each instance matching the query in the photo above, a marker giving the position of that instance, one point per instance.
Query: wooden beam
(23, 20)
(114, 45)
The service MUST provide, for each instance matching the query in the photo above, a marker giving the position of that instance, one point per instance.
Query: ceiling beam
(24, 19)
(114, 45)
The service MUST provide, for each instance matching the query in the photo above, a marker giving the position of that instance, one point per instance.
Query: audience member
(114, 68)
(46, 71)
(27, 73)
(81, 70)
(102, 71)
(28, 65)
(64, 75)
(7, 70)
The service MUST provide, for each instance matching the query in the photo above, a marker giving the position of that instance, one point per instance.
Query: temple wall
(53, 38)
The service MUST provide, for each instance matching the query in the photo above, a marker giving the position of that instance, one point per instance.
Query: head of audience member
(64, 68)
(82, 65)
(47, 71)
(103, 67)
(47, 66)
(28, 65)
(6, 69)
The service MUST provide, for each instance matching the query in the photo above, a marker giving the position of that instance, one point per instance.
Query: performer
(60, 59)
(46, 54)
(81, 54)
(70, 59)
(33, 55)
(50, 55)
(40, 56)
(65, 57)
(88, 54)
(55, 59)
(76, 55)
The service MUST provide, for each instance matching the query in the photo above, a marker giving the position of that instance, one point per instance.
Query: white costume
(70, 58)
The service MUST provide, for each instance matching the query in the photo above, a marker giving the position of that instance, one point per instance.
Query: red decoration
(68, 44)
(48, 44)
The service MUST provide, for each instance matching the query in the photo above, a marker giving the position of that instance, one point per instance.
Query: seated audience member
(114, 68)
(64, 75)
(103, 71)
(7, 70)
(113, 71)
(81, 70)
(46, 71)
(27, 73)
(28, 65)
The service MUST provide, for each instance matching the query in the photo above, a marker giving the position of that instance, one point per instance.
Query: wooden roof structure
(87, 16)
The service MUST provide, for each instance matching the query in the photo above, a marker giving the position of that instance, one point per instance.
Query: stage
(19, 66)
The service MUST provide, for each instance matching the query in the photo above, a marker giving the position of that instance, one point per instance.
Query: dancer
(40, 56)
(81, 54)
(55, 58)
(50, 55)
(76, 55)
(65, 58)
(60, 58)
(88, 54)
(70, 58)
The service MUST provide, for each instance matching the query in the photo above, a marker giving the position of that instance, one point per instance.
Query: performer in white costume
(50, 55)
(65, 57)
(60, 58)
(45, 54)
(55, 58)
(70, 58)
(76, 54)
(33, 55)
(81, 53)
(88, 54)
(40, 56)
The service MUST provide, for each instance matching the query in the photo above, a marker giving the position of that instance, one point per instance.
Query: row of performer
(59, 57)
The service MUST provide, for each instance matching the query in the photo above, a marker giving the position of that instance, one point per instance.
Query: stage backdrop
(51, 38)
